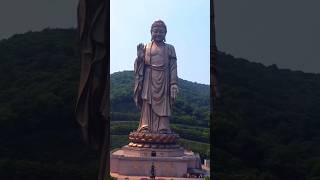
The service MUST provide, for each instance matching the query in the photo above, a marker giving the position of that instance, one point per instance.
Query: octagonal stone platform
(133, 161)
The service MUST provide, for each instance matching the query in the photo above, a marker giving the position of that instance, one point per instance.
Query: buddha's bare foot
(144, 130)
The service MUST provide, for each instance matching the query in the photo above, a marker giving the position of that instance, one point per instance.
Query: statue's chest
(157, 50)
(157, 56)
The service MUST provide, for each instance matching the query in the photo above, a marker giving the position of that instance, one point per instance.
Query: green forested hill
(267, 123)
(191, 107)
(190, 113)
(266, 127)
(39, 137)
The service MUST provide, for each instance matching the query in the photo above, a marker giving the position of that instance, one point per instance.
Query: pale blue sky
(245, 29)
(188, 24)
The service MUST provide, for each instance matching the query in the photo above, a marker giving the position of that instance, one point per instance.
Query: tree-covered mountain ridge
(193, 99)
(266, 125)
(267, 122)
(39, 74)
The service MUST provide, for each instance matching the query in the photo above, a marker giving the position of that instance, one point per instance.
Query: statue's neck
(159, 43)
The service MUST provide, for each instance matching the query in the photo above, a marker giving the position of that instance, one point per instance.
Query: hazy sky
(282, 32)
(188, 26)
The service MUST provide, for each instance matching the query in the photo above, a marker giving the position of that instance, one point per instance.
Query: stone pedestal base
(133, 161)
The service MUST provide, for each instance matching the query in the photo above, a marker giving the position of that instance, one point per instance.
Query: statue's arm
(138, 75)
(173, 74)
(138, 70)
(173, 66)
(139, 62)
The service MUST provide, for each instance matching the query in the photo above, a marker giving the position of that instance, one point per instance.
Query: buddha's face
(158, 33)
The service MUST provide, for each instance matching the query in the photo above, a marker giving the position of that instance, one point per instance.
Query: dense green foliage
(190, 113)
(191, 107)
(267, 123)
(266, 126)
(39, 136)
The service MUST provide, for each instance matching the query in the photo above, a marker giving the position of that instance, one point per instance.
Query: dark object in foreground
(91, 108)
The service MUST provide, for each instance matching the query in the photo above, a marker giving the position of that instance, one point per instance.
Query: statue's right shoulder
(148, 45)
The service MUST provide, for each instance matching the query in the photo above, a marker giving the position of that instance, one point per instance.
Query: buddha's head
(158, 31)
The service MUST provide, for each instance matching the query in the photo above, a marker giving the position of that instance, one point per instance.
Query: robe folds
(154, 76)
(91, 106)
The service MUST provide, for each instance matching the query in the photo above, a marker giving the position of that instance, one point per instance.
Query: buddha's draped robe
(155, 74)
(91, 109)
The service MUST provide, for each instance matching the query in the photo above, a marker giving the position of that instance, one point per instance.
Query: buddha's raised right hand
(140, 51)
